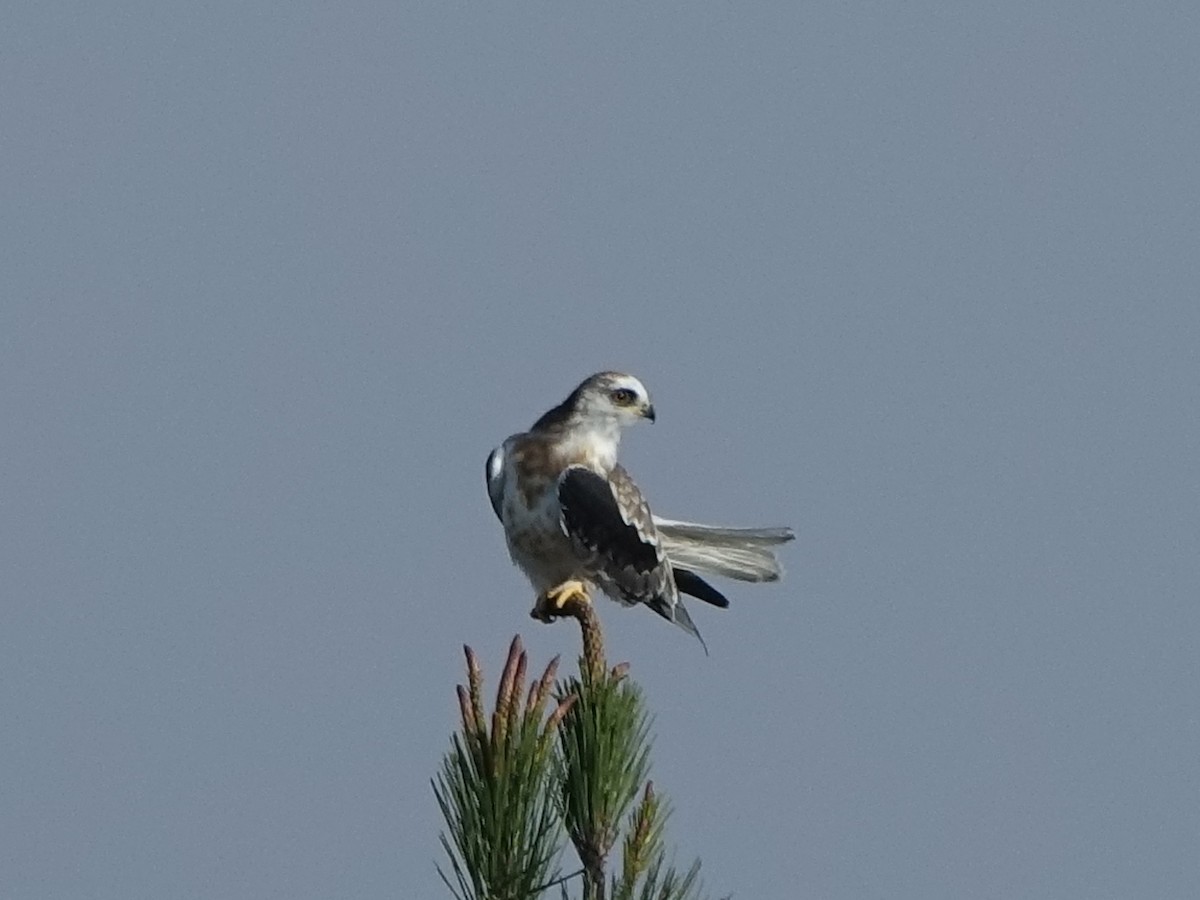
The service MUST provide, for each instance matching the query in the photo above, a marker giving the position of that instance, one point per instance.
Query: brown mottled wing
(611, 529)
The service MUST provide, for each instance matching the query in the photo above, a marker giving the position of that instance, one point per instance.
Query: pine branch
(495, 791)
(513, 781)
(604, 752)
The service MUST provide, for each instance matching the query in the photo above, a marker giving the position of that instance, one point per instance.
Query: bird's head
(611, 399)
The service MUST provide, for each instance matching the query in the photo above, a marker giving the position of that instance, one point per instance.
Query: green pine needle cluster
(604, 760)
(495, 789)
(513, 783)
(644, 872)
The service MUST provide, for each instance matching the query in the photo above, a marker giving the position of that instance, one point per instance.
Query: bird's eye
(623, 397)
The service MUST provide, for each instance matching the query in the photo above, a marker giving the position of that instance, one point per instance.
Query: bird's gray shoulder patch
(494, 473)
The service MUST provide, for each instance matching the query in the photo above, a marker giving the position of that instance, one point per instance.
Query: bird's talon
(553, 602)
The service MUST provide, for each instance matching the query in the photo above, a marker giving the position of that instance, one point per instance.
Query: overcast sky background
(918, 279)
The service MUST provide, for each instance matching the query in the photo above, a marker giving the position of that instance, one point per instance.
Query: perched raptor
(574, 520)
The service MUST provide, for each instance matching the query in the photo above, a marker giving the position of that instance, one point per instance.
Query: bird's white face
(614, 398)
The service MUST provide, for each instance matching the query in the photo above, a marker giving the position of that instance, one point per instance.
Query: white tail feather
(741, 553)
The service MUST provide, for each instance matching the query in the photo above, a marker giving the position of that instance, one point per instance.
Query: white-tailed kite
(574, 520)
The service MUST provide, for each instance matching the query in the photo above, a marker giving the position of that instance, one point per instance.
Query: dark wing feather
(612, 530)
(692, 584)
(626, 557)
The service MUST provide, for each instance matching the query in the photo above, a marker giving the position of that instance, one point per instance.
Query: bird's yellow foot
(554, 602)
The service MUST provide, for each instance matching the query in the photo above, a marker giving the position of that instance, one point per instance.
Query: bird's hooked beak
(648, 412)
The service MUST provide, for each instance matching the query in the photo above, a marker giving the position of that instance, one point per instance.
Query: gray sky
(918, 279)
